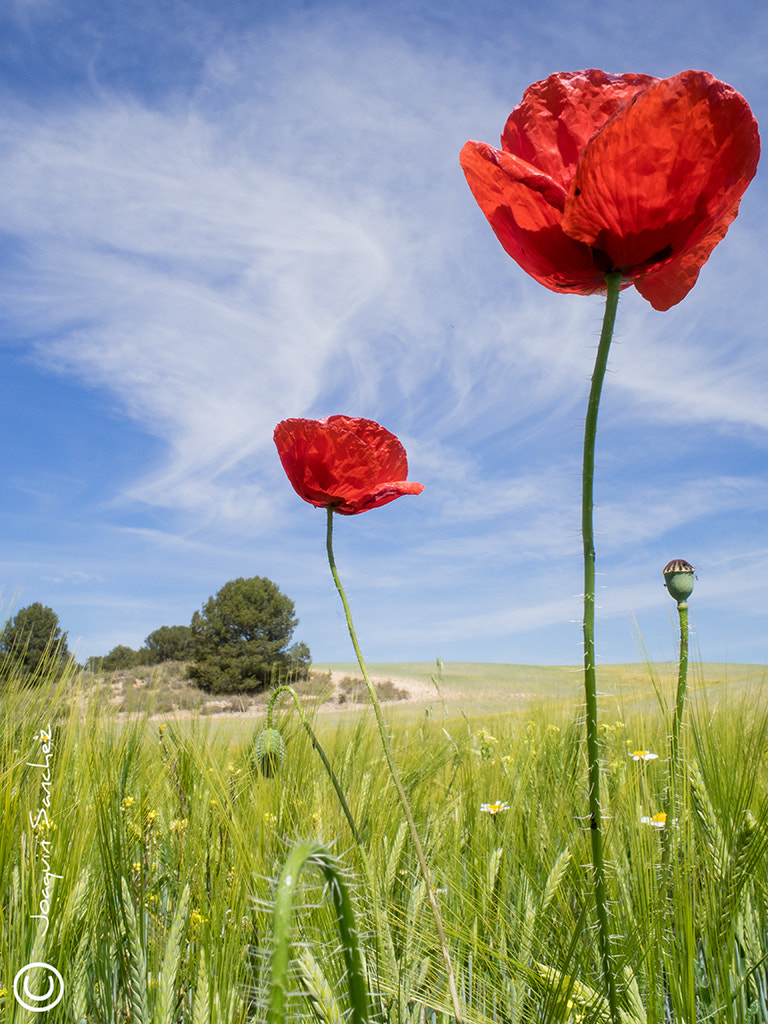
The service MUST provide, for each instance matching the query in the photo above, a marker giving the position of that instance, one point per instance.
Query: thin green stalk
(682, 681)
(674, 742)
(590, 678)
(395, 774)
(323, 757)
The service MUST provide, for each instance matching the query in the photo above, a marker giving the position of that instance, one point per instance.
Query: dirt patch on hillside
(323, 692)
(389, 689)
(165, 692)
(344, 691)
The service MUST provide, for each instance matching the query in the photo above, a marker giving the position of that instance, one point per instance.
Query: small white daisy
(495, 807)
(657, 821)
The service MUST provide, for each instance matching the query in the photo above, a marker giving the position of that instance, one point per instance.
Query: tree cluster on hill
(168, 643)
(240, 640)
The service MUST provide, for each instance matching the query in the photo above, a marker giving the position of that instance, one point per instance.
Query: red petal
(381, 496)
(389, 453)
(524, 208)
(662, 181)
(671, 284)
(522, 190)
(559, 115)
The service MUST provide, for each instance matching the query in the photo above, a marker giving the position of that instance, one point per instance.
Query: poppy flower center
(605, 264)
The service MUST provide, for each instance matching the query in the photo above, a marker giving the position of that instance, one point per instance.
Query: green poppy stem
(395, 774)
(682, 678)
(674, 742)
(613, 282)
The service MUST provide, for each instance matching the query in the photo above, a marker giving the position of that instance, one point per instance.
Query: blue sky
(216, 215)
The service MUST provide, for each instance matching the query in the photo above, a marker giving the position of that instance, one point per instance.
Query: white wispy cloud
(283, 237)
(290, 234)
(646, 511)
(208, 300)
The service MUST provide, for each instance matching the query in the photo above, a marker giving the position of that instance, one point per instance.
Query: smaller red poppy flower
(343, 462)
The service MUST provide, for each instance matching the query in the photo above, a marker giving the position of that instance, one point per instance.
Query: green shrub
(123, 657)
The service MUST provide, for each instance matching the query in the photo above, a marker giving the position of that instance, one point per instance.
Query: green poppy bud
(678, 579)
(270, 751)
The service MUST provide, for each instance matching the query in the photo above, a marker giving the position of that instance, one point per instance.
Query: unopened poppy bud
(678, 579)
(270, 751)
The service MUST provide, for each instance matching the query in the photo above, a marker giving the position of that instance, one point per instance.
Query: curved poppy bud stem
(395, 774)
(313, 855)
(316, 744)
(613, 281)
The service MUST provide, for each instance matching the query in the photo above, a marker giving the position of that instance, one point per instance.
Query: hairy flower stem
(613, 282)
(395, 774)
(674, 742)
(310, 855)
(316, 744)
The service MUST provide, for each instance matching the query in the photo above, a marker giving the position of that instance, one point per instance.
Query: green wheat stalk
(137, 962)
(166, 997)
(318, 990)
(201, 1011)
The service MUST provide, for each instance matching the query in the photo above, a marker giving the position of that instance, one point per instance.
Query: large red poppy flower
(346, 463)
(600, 173)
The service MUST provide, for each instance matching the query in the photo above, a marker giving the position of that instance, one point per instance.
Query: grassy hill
(480, 688)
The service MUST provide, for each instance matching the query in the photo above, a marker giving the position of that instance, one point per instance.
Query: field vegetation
(168, 879)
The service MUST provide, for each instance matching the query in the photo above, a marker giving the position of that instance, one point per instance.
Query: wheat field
(155, 873)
